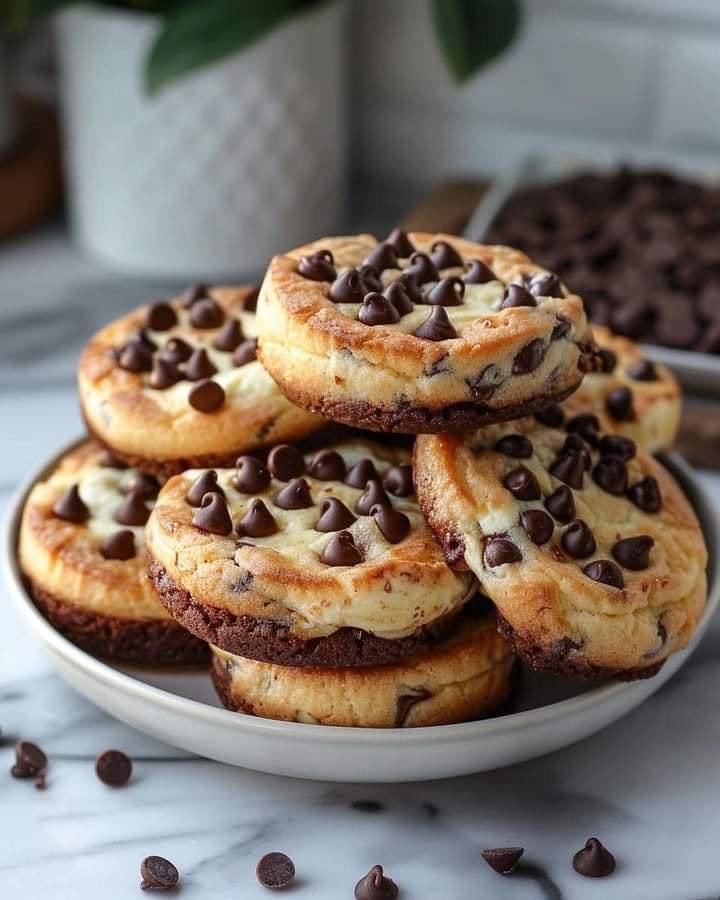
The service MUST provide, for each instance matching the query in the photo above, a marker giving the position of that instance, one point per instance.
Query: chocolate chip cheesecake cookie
(82, 549)
(586, 544)
(464, 677)
(321, 559)
(420, 332)
(177, 383)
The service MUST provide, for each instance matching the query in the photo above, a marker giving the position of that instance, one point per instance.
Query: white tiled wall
(600, 78)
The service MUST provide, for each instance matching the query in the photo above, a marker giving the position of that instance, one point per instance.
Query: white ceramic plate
(180, 708)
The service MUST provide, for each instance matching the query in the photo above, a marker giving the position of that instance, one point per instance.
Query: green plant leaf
(200, 32)
(471, 33)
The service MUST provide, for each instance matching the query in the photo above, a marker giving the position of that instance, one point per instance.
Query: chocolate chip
(503, 860)
(478, 273)
(561, 329)
(529, 358)
(206, 396)
(251, 299)
(285, 462)
(119, 545)
(538, 525)
(605, 572)
(552, 416)
(411, 288)
(594, 860)
(447, 292)
(484, 385)
(245, 353)
(522, 484)
(108, 461)
(445, 256)
(499, 551)
(142, 336)
(516, 295)
(578, 541)
(229, 336)
(347, 288)
(133, 511)
(199, 366)
(399, 480)
(340, 550)
(561, 504)
(71, 508)
(370, 279)
(327, 465)
(203, 484)
(194, 293)
(318, 266)
(177, 351)
(29, 760)
(421, 269)
(295, 495)
(393, 524)
(644, 370)
(382, 257)
(645, 494)
(610, 473)
(113, 768)
(164, 374)
(361, 473)
(587, 426)
(334, 516)
(257, 522)
(147, 485)
(160, 317)
(206, 313)
(275, 870)
(251, 476)
(437, 327)
(545, 284)
(570, 468)
(396, 294)
(135, 357)
(619, 404)
(401, 243)
(515, 445)
(608, 360)
(377, 310)
(158, 874)
(617, 445)
(376, 886)
(373, 495)
(213, 515)
(634, 552)
(40, 781)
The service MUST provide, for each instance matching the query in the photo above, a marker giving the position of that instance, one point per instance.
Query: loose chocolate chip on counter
(619, 404)
(327, 465)
(529, 358)
(40, 781)
(401, 243)
(119, 545)
(377, 310)
(245, 353)
(203, 484)
(206, 396)
(561, 504)
(594, 860)
(515, 445)
(608, 361)
(552, 416)
(251, 476)
(71, 508)
(645, 494)
(257, 522)
(397, 295)
(376, 886)
(538, 525)
(361, 473)
(382, 257)
(617, 445)
(295, 495)
(394, 525)
(370, 279)
(611, 475)
(206, 313)
(164, 374)
(478, 273)
(194, 293)
(570, 468)
(587, 426)
(334, 516)
(503, 860)
(275, 870)
(113, 768)
(522, 484)
(158, 874)
(29, 760)
(347, 288)
(213, 516)
(499, 551)
(411, 288)
(399, 480)
(578, 541)
(516, 295)
(545, 284)
(447, 292)
(644, 370)
(135, 357)
(199, 366)
(372, 496)
(445, 256)
(229, 336)
(318, 266)
(437, 326)
(285, 462)
(634, 552)
(605, 572)
(177, 351)
(421, 269)
(160, 317)
(340, 550)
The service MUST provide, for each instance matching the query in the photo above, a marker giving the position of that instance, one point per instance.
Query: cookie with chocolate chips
(177, 384)
(419, 333)
(588, 548)
(82, 549)
(319, 558)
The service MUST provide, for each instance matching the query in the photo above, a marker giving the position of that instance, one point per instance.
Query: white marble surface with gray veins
(648, 786)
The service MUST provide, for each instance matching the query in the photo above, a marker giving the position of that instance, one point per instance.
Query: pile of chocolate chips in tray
(364, 492)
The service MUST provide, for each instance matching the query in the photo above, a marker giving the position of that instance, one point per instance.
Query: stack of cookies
(339, 576)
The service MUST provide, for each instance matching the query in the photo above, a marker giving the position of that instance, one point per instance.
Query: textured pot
(220, 170)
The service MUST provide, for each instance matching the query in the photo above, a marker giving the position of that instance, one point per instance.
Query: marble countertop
(647, 786)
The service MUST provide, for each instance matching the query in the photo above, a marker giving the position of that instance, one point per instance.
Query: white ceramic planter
(220, 170)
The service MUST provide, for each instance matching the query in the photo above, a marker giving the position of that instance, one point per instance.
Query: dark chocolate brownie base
(268, 641)
(129, 640)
